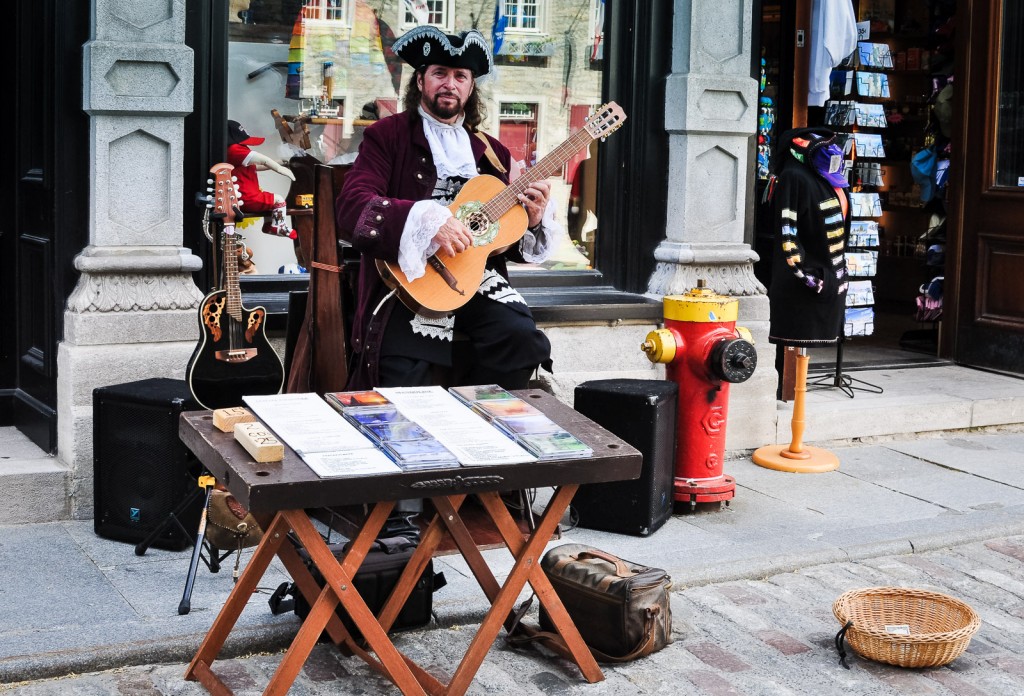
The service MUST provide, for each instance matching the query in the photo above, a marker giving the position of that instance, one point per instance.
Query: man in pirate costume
(393, 206)
(809, 281)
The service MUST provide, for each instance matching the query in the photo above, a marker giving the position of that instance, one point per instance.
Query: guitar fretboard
(548, 165)
(234, 293)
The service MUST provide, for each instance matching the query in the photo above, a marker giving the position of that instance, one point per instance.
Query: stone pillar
(711, 113)
(133, 313)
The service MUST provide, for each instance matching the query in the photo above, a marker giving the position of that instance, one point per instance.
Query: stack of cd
(403, 441)
(527, 425)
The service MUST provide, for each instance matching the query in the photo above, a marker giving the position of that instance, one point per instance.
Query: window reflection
(310, 76)
(1010, 116)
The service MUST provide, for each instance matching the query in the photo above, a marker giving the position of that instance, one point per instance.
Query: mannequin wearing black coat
(809, 278)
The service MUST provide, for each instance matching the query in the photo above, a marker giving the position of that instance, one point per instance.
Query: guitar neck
(234, 293)
(548, 166)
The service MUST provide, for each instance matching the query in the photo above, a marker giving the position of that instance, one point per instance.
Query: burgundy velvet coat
(393, 171)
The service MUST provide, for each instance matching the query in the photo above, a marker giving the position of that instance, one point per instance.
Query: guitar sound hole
(478, 222)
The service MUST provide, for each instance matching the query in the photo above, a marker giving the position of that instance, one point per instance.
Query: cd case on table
(395, 431)
(356, 399)
(370, 415)
(498, 408)
(525, 425)
(418, 453)
(556, 445)
(482, 392)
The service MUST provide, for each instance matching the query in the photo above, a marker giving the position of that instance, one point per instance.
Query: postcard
(860, 292)
(863, 233)
(860, 321)
(862, 263)
(871, 115)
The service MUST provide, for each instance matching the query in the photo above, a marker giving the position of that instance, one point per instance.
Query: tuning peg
(234, 178)
(209, 182)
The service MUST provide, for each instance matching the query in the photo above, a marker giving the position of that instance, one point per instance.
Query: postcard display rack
(856, 112)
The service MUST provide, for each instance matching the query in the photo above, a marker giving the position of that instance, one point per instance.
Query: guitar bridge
(235, 356)
(442, 270)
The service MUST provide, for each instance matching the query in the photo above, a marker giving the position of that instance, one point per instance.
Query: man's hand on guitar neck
(535, 199)
(453, 236)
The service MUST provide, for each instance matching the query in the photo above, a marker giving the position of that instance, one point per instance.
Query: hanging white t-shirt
(833, 38)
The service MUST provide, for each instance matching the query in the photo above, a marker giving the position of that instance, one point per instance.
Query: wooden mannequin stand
(797, 457)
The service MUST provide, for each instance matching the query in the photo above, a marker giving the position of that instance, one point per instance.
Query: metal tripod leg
(207, 484)
(173, 517)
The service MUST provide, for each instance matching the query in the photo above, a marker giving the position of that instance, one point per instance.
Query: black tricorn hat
(426, 45)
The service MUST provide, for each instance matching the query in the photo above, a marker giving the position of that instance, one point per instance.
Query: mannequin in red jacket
(247, 162)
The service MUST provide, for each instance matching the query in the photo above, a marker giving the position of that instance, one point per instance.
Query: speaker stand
(173, 517)
(213, 556)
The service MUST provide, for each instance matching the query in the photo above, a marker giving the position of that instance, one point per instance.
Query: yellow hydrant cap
(701, 305)
(660, 346)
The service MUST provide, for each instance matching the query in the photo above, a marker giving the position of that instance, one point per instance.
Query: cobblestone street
(772, 636)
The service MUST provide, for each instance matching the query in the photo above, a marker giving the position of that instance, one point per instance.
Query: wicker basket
(940, 626)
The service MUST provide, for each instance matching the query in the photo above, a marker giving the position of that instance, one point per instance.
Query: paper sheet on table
(468, 436)
(307, 423)
(361, 462)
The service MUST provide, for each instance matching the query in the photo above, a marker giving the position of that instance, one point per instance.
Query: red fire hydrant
(703, 351)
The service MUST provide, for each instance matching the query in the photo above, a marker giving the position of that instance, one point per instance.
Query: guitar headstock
(226, 202)
(605, 120)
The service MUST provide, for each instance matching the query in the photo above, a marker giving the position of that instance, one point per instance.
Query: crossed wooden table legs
(383, 655)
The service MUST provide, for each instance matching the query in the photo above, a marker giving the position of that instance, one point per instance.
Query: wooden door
(984, 292)
(46, 223)
(520, 137)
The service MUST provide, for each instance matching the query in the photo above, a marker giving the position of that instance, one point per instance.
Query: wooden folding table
(279, 494)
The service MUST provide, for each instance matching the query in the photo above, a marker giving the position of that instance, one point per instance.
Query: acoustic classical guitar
(492, 212)
(233, 357)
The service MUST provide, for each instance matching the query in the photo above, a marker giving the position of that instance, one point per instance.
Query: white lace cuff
(537, 244)
(417, 245)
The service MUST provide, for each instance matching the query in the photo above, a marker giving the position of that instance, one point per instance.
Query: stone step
(33, 490)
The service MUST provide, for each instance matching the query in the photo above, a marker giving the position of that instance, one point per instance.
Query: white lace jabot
(449, 146)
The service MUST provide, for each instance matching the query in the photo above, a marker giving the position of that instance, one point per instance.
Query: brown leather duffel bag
(620, 608)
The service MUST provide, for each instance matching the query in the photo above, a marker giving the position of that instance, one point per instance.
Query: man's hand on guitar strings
(535, 199)
(453, 236)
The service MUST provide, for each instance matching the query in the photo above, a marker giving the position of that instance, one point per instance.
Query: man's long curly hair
(474, 108)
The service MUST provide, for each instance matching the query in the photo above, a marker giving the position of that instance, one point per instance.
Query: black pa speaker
(643, 413)
(141, 469)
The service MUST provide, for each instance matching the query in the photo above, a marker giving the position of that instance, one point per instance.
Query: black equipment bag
(620, 608)
(375, 579)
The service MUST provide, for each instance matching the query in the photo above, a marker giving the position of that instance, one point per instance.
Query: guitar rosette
(480, 225)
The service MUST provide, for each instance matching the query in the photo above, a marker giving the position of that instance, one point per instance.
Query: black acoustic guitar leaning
(233, 358)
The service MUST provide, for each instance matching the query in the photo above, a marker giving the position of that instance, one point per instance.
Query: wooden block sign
(259, 442)
(224, 419)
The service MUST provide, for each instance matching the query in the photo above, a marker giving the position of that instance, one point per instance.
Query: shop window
(521, 15)
(597, 33)
(435, 12)
(308, 77)
(1009, 151)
